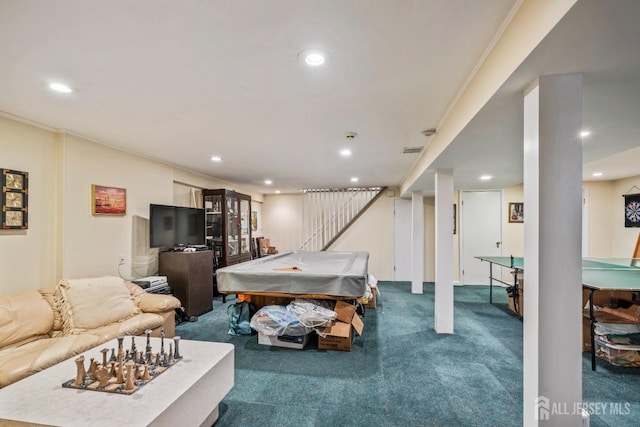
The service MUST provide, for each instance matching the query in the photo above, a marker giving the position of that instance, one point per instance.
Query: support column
(443, 316)
(552, 251)
(417, 242)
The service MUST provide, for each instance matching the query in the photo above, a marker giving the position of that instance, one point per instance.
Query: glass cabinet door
(213, 231)
(245, 216)
(232, 226)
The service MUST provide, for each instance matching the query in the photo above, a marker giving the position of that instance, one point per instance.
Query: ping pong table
(598, 274)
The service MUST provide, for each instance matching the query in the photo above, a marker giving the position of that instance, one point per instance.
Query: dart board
(632, 210)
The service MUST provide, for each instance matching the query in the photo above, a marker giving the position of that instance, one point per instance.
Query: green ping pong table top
(616, 274)
(504, 261)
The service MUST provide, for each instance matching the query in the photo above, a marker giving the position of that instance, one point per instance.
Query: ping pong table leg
(592, 326)
(490, 282)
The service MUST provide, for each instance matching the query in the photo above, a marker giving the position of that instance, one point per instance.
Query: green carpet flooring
(400, 372)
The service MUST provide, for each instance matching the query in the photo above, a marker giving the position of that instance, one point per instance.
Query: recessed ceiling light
(354, 179)
(485, 177)
(597, 174)
(60, 87)
(585, 133)
(277, 191)
(345, 153)
(216, 158)
(313, 57)
(268, 182)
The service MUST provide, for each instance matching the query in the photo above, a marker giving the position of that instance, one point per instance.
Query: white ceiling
(182, 81)
(597, 38)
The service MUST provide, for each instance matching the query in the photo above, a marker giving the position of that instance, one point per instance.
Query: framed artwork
(455, 208)
(108, 200)
(15, 198)
(254, 220)
(516, 212)
(632, 210)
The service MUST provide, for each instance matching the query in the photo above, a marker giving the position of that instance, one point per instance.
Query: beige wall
(601, 209)
(92, 243)
(512, 233)
(27, 258)
(64, 239)
(282, 221)
(372, 233)
(623, 239)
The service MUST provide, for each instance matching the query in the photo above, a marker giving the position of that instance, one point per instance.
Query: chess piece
(112, 372)
(102, 376)
(113, 358)
(170, 351)
(148, 332)
(145, 374)
(80, 371)
(129, 385)
(127, 356)
(104, 352)
(134, 351)
(120, 373)
(162, 342)
(138, 372)
(176, 350)
(92, 369)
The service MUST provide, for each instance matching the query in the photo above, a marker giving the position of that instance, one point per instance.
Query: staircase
(329, 212)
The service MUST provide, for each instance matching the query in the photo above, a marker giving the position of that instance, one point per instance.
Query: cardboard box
(284, 341)
(340, 335)
(602, 299)
(373, 300)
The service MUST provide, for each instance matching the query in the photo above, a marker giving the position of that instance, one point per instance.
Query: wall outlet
(120, 259)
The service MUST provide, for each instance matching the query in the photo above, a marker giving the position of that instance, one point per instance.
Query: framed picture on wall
(108, 200)
(516, 212)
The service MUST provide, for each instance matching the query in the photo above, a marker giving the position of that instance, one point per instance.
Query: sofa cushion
(151, 303)
(20, 362)
(24, 317)
(95, 302)
(55, 299)
(135, 325)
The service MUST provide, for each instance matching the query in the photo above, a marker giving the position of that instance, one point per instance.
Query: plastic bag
(278, 320)
(311, 314)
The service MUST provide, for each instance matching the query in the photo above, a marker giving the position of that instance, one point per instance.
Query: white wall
(28, 257)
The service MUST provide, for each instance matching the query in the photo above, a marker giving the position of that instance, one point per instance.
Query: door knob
(498, 244)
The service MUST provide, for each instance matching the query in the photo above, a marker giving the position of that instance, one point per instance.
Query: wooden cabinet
(228, 226)
(190, 277)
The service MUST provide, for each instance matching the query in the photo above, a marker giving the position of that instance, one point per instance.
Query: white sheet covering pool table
(341, 274)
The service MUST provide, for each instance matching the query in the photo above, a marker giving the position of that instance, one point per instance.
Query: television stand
(189, 275)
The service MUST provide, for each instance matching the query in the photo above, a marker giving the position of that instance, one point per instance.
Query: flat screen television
(171, 226)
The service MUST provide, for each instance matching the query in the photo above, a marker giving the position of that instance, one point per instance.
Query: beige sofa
(39, 329)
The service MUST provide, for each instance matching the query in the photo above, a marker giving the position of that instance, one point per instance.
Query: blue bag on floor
(240, 315)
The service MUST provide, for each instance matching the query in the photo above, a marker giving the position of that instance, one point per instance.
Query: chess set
(127, 371)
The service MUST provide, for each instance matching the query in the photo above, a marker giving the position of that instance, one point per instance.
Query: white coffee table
(187, 394)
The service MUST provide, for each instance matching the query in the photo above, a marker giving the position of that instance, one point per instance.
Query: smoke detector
(429, 132)
(350, 135)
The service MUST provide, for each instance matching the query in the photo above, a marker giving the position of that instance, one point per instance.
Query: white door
(402, 240)
(480, 234)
